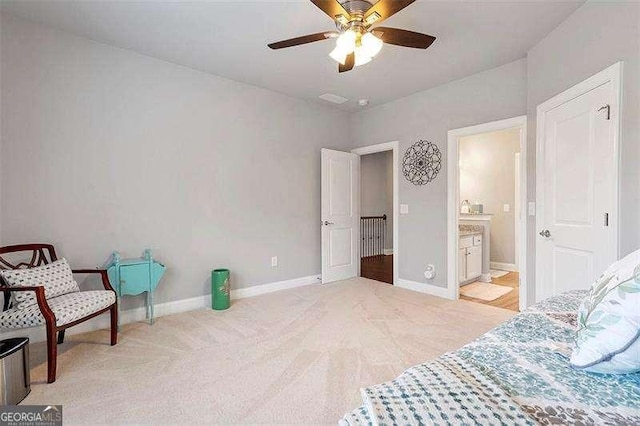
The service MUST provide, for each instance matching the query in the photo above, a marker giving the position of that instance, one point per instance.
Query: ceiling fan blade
(404, 37)
(332, 8)
(348, 63)
(302, 40)
(385, 8)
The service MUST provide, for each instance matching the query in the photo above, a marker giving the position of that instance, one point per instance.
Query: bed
(516, 374)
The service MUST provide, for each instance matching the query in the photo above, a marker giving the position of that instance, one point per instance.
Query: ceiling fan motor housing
(357, 6)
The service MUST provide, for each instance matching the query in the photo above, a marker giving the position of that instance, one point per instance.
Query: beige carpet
(295, 356)
(484, 291)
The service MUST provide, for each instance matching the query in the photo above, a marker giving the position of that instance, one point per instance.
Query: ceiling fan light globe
(338, 55)
(371, 45)
(361, 59)
(347, 41)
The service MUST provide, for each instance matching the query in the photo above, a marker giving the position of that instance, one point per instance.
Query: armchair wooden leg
(61, 337)
(52, 353)
(114, 324)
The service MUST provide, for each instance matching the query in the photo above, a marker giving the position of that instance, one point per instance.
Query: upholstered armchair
(34, 269)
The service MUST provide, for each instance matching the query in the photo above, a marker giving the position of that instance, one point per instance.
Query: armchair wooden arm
(103, 274)
(43, 254)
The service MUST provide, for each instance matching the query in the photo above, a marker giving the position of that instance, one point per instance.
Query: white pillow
(608, 337)
(56, 277)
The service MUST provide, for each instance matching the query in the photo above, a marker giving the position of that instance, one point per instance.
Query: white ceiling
(229, 38)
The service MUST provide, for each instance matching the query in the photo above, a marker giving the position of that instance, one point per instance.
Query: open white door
(577, 186)
(340, 215)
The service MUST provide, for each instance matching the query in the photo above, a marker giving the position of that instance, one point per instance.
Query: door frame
(453, 200)
(611, 74)
(393, 146)
(518, 207)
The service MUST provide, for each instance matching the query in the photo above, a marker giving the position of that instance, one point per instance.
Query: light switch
(404, 208)
(532, 208)
(506, 207)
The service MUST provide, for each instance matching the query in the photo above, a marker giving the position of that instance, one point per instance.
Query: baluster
(384, 234)
(368, 238)
(377, 237)
(361, 239)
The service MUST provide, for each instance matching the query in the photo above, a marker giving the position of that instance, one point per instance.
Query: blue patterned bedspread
(516, 374)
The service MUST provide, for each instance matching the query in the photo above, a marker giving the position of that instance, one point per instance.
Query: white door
(340, 215)
(576, 239)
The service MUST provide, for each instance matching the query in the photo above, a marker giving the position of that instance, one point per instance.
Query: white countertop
(484, 216)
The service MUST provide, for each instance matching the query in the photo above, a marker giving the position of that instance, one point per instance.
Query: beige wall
(594, 37)
(597, 35)
(492, 95)
(104, 149)
(487, 176)
(376, 184)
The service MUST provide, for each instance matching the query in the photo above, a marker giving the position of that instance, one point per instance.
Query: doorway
(486, 222)
(379, 212)
(487, 177)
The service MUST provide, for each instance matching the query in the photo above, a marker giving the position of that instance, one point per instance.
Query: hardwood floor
(508, 301)
(379, 268)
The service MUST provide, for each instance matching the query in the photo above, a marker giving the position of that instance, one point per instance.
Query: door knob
(545, 233)
(326, 222)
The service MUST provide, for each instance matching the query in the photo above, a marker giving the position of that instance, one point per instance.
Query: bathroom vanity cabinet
(469, 257)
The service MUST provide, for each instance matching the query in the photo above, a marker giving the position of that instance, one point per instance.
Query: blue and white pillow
(56, 277)
(608, 336)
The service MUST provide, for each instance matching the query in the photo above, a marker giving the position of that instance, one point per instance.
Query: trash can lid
(9, 346)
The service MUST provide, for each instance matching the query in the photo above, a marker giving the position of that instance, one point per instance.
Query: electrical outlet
(430, 272)
(404, 208)
(274, 261)
(506, 208)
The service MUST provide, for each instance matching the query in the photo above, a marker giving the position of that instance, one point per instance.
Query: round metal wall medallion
(421, 162)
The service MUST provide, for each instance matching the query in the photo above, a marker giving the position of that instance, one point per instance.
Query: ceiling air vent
(333, 98)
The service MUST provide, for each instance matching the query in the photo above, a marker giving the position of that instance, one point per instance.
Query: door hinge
(606, 219)
(608, 108)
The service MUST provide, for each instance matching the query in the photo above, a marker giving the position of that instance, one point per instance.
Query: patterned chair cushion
(67, 308)
(56, 277)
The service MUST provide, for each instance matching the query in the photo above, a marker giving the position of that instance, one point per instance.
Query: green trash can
(220, 297)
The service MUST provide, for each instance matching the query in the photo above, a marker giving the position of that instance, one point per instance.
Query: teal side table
(135, 276)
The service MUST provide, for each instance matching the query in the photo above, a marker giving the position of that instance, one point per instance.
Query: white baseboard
(38, 334)
(485, 278)
(504, 266)
(276, 286)
(388, 252)
(424, 288)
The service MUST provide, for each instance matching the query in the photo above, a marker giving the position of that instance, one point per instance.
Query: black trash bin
(15, 383)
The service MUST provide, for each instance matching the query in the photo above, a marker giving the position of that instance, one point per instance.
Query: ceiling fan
(357, 42)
